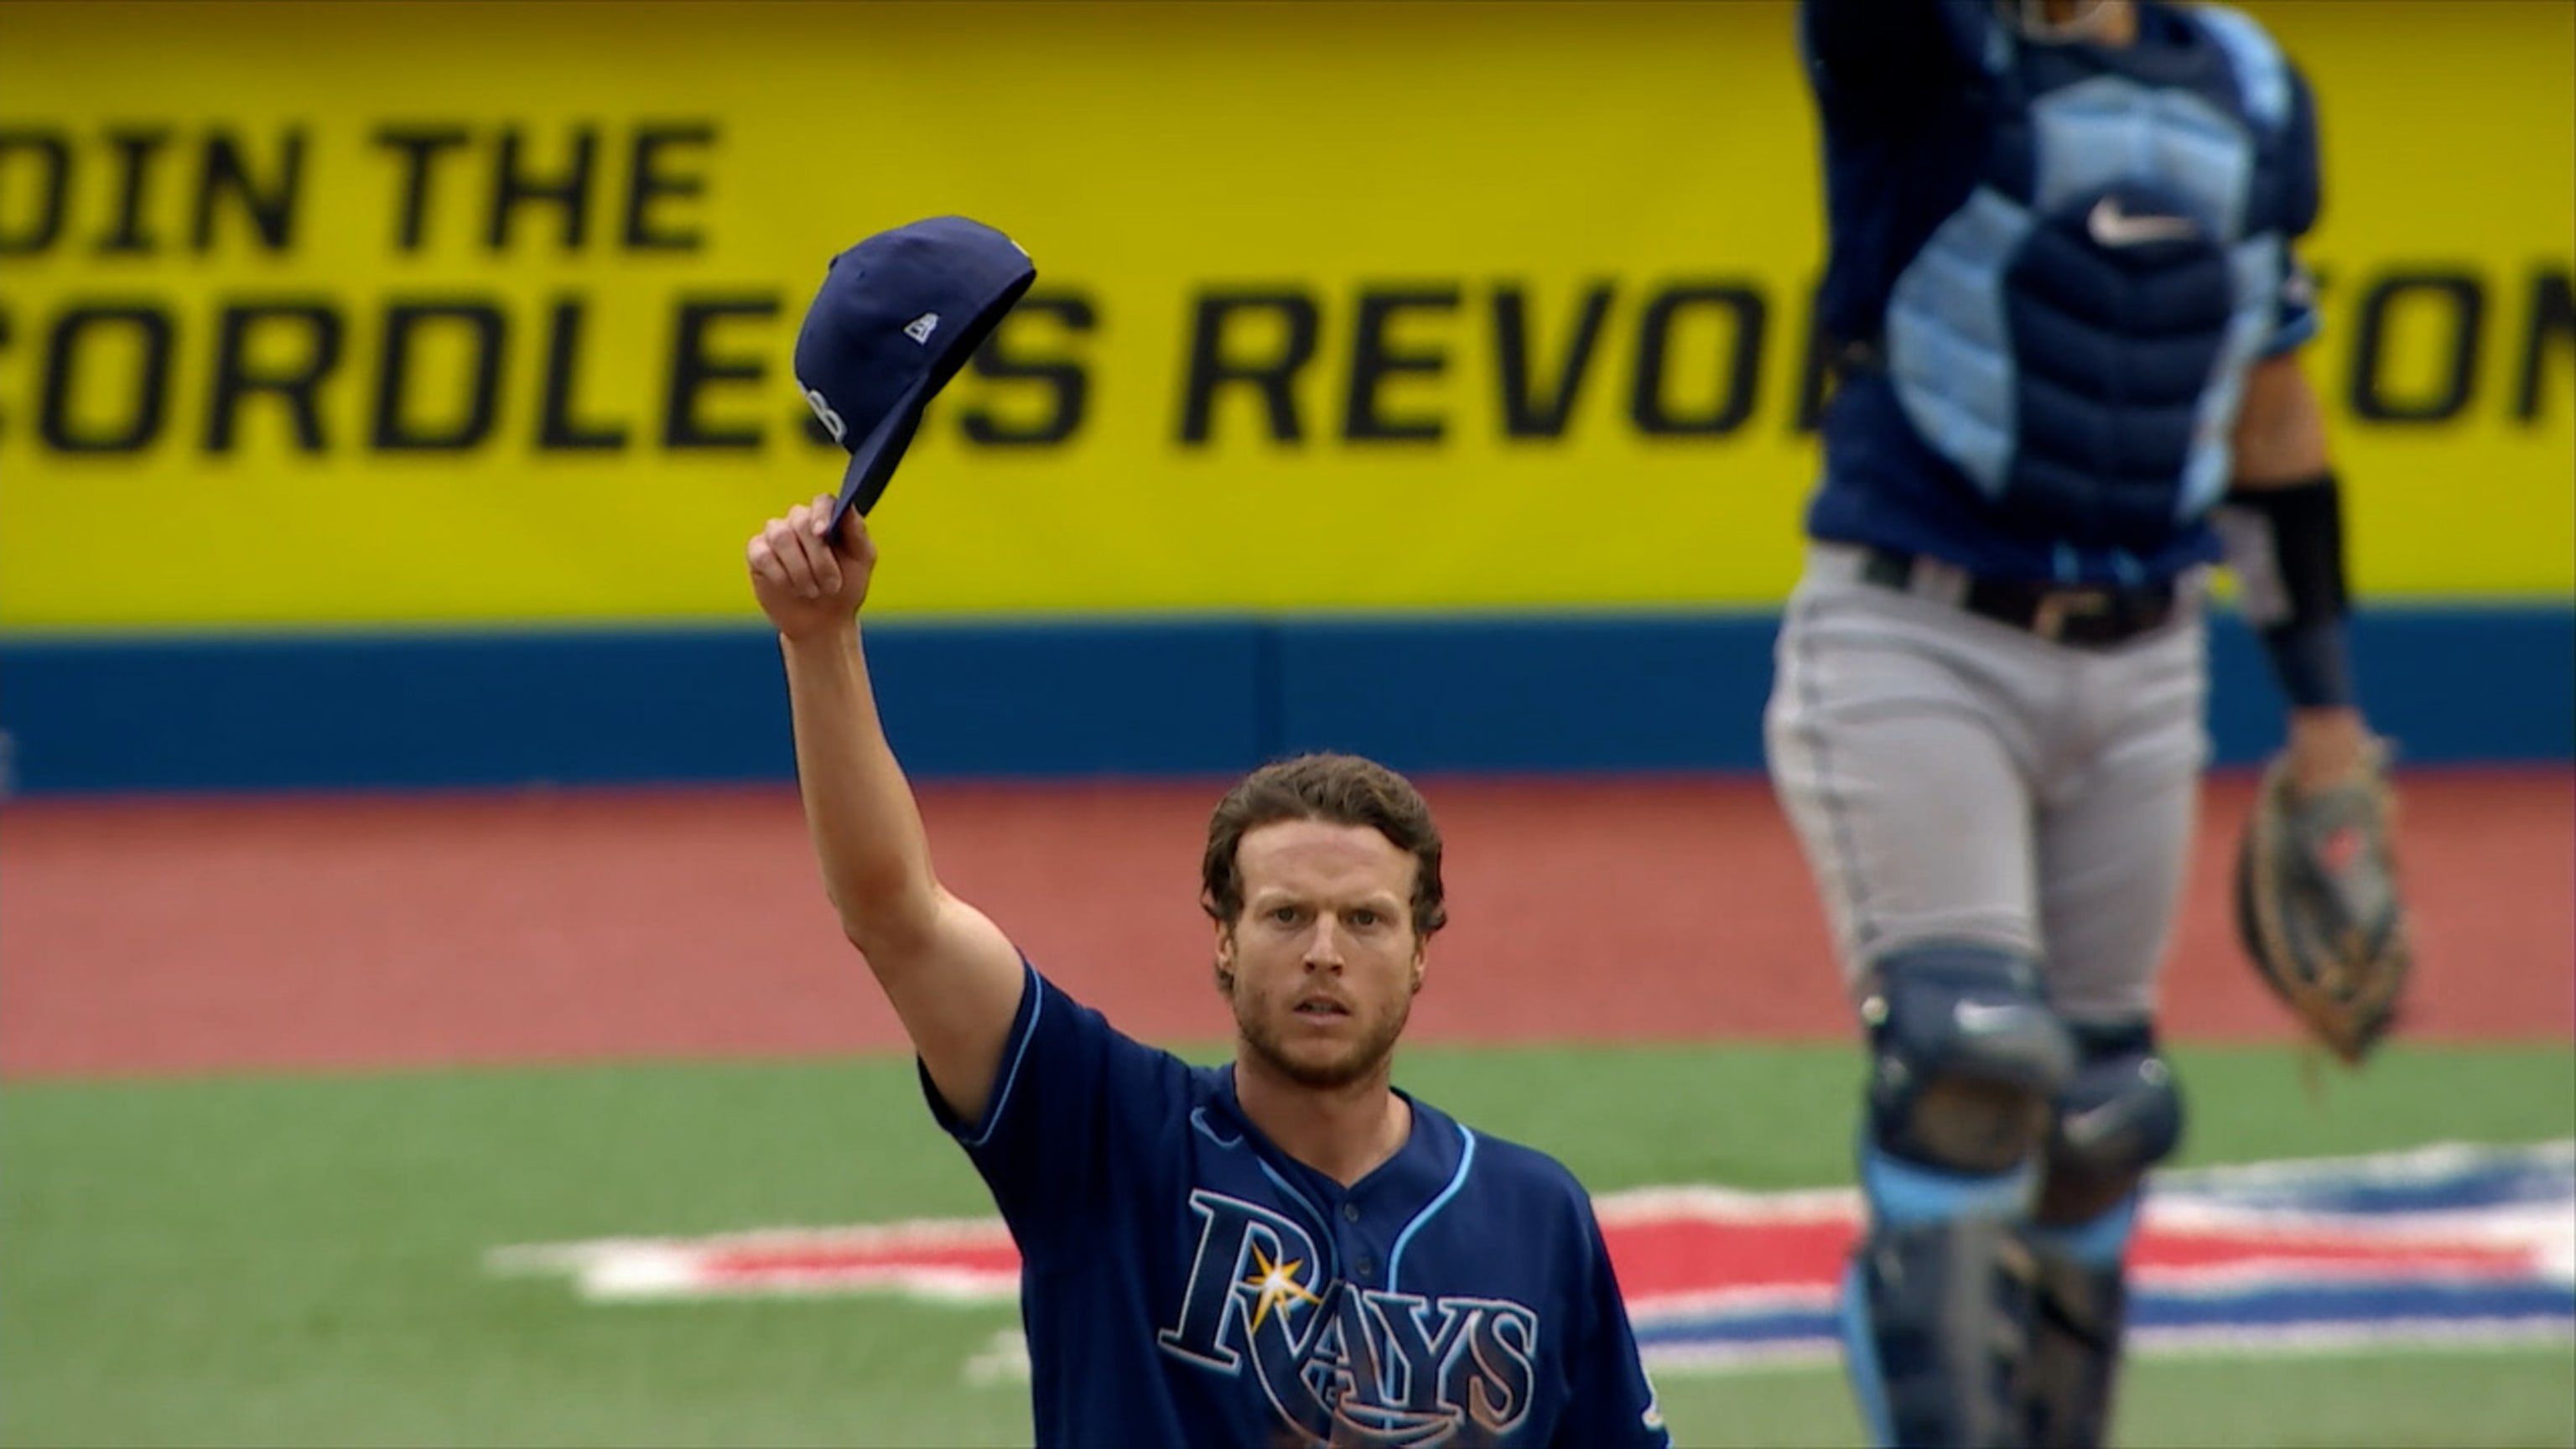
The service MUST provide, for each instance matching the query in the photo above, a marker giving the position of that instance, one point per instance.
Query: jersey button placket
(1356, 1249)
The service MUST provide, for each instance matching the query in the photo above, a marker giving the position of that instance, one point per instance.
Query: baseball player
(2066, 316)
(1287, 1250)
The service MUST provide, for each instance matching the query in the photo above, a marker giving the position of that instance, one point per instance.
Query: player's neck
(1345, 1133)
(2109, 23)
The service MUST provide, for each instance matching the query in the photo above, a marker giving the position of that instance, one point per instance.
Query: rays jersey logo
(1341, 1364)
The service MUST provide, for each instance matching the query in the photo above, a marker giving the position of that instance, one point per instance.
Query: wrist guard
(2285, 546)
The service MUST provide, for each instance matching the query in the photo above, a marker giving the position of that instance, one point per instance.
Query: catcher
(2064, 301)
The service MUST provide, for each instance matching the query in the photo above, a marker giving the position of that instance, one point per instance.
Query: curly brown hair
(1338, 789)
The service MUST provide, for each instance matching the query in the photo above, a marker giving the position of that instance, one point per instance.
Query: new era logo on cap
(881, 337)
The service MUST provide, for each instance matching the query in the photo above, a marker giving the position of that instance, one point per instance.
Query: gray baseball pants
(1953, 778)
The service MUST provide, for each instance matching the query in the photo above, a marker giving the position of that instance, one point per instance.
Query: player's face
(1324, 961)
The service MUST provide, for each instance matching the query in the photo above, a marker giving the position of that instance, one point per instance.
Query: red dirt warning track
(202, 935)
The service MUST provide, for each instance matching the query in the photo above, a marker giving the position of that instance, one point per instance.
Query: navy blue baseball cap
(897, 315)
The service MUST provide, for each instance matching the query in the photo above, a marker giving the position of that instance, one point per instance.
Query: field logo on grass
(2445, 1245)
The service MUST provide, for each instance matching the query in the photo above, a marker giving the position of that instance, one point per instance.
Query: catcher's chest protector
(2074, 339)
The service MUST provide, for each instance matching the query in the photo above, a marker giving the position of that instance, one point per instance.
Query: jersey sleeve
(2294, 319)
(1611, 1401)
(1069, 1083)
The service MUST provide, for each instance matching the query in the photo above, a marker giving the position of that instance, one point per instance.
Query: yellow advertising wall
(258, 264)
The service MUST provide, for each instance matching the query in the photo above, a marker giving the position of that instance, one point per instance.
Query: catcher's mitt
(2317, 905)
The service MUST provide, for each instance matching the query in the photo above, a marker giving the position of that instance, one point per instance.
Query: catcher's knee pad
(1934, 1320)
(2119, 1115)
(1967, 1058)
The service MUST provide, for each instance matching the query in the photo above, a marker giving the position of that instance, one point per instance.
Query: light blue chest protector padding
(2075, 338)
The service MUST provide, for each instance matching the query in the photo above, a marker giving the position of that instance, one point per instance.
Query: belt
(2093, 616)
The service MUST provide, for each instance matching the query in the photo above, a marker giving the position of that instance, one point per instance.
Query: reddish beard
(1364, 1056)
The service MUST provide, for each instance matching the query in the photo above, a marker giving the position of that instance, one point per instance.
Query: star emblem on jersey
(1278, 1286)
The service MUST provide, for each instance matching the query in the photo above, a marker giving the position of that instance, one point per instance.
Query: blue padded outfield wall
(1602, 693)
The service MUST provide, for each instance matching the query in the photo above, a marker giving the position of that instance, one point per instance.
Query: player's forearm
(859, 809)
(2283, 527)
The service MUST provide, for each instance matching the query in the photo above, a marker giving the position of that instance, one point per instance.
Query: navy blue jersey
(1184, 1282)
(2051, 267)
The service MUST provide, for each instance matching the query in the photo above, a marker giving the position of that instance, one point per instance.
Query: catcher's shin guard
(2078, 1314)
(2121, 1115)
(1935, 1320)
(1937, 1302)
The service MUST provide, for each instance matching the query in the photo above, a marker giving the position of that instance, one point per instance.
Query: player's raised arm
(952, 976)
(1876, 57)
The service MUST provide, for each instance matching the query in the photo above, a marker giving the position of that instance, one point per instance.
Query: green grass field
(301, 1261)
